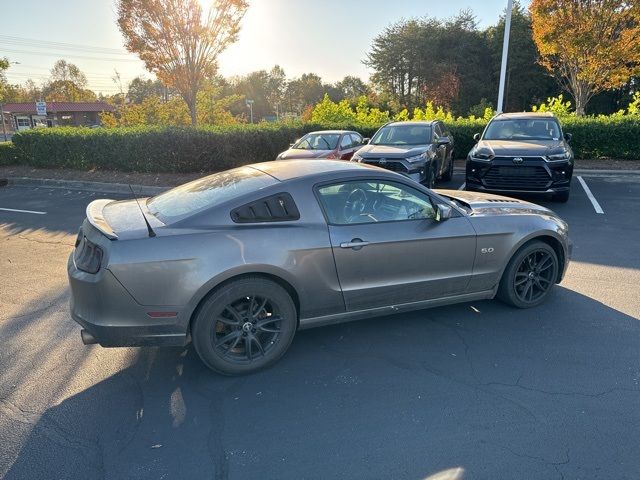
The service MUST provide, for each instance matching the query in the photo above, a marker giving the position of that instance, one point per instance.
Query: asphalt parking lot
(473, 391)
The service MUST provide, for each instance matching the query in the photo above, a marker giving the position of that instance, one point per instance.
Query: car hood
(391, 151)
(486, 204)
(513, 148)
(295, 153)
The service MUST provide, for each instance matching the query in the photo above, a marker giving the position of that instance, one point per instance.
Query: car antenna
(149, 229)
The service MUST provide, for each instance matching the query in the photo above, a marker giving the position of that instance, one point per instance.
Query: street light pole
(505, 54)
(4, 128)
(250, 105)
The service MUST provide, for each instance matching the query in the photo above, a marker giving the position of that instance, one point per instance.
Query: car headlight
(356, 158)
(482, 155)
(417, 158)
(559, 156)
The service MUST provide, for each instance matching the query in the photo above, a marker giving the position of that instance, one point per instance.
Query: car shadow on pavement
(483, 388)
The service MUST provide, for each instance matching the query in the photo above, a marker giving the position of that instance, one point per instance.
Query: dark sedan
(523, 153)
(328, 144)
(240, 260)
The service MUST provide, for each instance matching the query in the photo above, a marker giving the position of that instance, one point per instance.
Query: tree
(588, 45)
(141, 89)
(67, 83)
(4, 65)
(304, 92)
(179, 42)
(352, 87)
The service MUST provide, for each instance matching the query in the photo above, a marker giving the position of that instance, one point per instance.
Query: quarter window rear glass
(207, 192)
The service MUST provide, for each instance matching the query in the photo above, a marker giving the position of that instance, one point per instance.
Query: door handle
(356, 244)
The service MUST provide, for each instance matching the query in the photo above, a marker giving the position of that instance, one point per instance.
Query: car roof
(284, 170)
(332, 131)
(413, 122)
(524, 115)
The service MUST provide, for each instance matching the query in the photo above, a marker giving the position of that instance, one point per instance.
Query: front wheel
(430, 180)
(448, 174)
(244, 326)
(562, 197)
(529, 276)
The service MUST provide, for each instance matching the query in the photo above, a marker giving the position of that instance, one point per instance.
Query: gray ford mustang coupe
(239, 260)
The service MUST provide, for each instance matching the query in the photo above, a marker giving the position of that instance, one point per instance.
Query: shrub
(8, 154)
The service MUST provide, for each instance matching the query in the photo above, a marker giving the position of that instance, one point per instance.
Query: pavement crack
(50, 242)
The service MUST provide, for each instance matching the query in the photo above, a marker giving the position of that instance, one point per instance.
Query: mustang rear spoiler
(95, 218)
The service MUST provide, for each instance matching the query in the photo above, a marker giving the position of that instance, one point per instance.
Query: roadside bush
(8, 154)
(207, 149)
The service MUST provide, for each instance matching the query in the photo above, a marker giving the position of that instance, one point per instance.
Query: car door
(346, 147)
(388, 247)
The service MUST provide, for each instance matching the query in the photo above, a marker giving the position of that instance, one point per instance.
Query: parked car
(420, 150)
(522, 153)
(329, 144)
(239, 260)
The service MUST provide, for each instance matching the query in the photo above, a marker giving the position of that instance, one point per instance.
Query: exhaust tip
(87, 338)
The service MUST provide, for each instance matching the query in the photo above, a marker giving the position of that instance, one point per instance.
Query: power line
(31, 42)
(66, 55)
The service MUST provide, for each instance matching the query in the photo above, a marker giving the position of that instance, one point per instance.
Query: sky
(327, 37)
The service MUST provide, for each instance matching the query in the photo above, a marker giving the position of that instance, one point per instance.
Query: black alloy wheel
(529, 276)
(245, 326)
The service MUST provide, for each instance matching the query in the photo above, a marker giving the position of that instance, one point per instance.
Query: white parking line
(462, 186)
(22, 211)
(594, 202)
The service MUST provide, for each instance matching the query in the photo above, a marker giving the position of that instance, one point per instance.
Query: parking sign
(41, 108)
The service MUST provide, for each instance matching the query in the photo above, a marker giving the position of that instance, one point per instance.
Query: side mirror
(568, 137)
(365, 141)
(476, 137)
(444, 141)
(443, 212)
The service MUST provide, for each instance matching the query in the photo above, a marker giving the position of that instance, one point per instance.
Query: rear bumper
(102, 306)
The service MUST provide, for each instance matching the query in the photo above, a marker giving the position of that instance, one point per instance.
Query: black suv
(522, 153)
(423, 151)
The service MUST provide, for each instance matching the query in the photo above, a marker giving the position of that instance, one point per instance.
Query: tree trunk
(192, 111)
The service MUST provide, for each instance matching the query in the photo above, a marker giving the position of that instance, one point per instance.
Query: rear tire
(562, 197)
(448, 174)
(244, 326)
(529, 276)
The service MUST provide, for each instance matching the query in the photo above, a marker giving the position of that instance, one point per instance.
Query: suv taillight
(88, 256)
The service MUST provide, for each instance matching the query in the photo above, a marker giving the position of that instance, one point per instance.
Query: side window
(438, 132)
(275, 208)
(345, 142)
(356, 139)
(374, 201)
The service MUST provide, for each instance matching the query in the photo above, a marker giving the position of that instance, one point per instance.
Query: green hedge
(8, 154)
(205, 149)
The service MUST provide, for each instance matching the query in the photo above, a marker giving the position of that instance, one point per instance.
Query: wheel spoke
(523, 278)
(247, 347)
(233, 345)
(227, 337)
(258, 344)
(260, 308)
(228, 321)
(262, 324)
(252, 302)
(234, 313)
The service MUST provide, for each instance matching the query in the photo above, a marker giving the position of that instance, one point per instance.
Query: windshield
(206, 192)
(318, 141)
(523, 129)
(402, 135)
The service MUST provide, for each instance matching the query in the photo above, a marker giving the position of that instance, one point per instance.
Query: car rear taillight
(332, 156)
(88, 256)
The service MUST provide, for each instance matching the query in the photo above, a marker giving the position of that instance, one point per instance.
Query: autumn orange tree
(179, 41)
(588, 45)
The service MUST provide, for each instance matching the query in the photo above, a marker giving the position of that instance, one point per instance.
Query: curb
(105, 187)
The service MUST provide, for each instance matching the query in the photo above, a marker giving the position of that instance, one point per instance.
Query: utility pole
(250, 105)
(505, 54)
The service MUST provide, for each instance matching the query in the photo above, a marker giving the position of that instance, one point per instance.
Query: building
(22, 116)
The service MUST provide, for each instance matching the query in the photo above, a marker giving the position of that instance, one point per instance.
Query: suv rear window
(193, 197)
